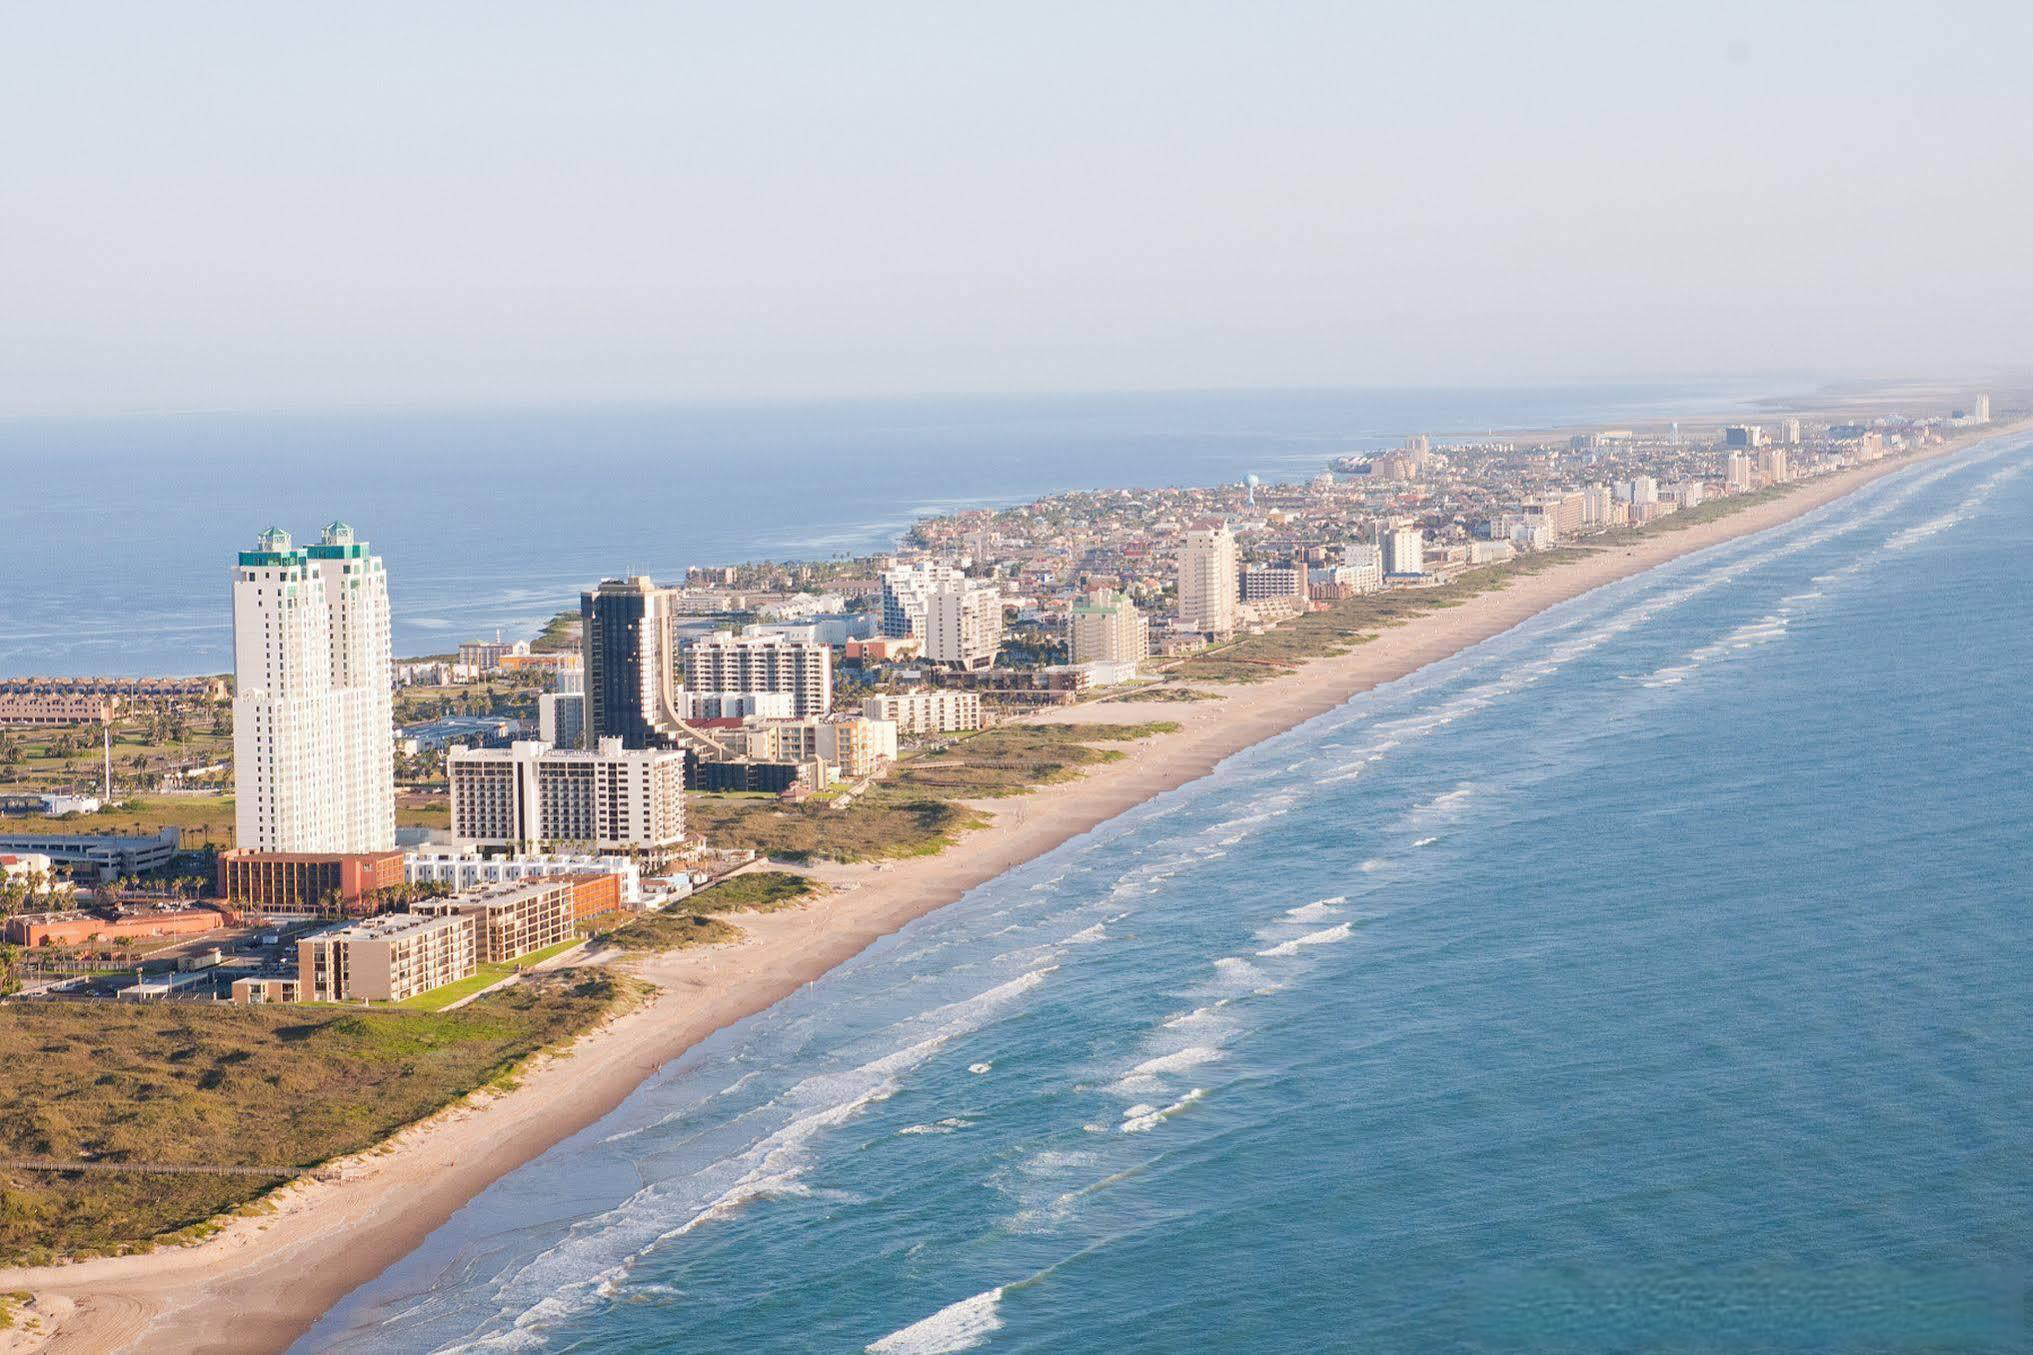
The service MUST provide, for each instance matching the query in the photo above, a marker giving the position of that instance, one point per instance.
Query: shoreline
(266, 1278)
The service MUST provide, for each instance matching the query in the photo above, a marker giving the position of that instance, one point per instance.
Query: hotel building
(1404, 552)
(963, 624)
(313, 735)
(333, 884)
(607, 799)
(725, 662)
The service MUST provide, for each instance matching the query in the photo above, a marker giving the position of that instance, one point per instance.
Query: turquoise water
(1652, 976)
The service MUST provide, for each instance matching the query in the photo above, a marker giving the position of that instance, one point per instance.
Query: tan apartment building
(511, 920)
(385, 959)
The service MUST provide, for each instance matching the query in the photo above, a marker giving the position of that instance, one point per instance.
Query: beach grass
(923, 806)
(187, 1084)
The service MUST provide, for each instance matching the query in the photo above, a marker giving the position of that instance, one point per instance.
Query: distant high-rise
(727, 663)
(963, 624)
(629, 643)
(1207, 581)
(906, 590)
(1404, 551)
(1980, 409)
(1792, 427)
(1106, 627)
(313, 735)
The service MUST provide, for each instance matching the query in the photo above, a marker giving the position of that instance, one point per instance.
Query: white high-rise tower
(313, 743)
(1208, 585)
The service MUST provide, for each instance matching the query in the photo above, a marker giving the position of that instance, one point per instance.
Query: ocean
(1651, 976)
(118, 536)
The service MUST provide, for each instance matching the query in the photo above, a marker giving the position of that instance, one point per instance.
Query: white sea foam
(1325, 937)
(1425, 842)
(1143, 1119)
(1151, 1072)
(1314, 911)
(1095, 933)
(979, 1068)
(957, 1326)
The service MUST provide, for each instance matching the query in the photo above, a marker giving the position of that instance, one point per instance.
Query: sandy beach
(263, 1280)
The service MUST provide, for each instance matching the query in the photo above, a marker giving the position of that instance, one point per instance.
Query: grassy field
(918, 809)
(756, 891)
(484, 977)
(243, 1086)
(149, 742)
(202, 817)
(672, 930)
(1166, 691)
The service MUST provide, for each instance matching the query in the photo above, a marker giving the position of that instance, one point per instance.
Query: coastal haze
(914, 678)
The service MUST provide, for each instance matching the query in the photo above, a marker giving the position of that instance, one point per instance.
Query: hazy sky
(281, 205)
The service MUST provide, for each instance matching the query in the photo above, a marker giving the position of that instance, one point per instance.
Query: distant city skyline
(392, 208)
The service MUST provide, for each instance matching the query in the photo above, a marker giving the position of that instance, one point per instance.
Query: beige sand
(263, 1281)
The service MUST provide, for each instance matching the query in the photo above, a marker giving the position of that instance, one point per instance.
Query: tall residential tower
(631, 664)
(1208, 584)
(313, 736)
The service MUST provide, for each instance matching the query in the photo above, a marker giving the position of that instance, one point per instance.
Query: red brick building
(338, 884)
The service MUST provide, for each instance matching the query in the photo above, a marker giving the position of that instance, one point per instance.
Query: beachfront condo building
(605, 799)
(926, 712)
(1404, 552)
(801, 669)
(1264, 582)
(1106, 627)
(1207, 582)
(628, 646)
(905, 589)
(386, 958)
(510, 919)
(313, 727)
(963, 624)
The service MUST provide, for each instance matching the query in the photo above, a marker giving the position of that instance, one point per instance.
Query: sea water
(1654, 975)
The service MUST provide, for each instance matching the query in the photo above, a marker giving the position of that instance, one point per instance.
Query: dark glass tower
(631, 654)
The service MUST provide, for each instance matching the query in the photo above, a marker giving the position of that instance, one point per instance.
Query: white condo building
(1404, 551)
(1106, 627)
(604, 799)
(927, 712)
(313, 729)
(726, 662)
(1207, 581)
(963, 624)
(905, 589)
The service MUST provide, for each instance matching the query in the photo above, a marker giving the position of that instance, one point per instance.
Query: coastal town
(497, 836)
(403, 827)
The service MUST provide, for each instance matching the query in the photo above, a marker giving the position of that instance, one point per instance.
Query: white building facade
(313, 728)
(1207, 582)
(725, 662)
(927, 712)
(607, 799)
